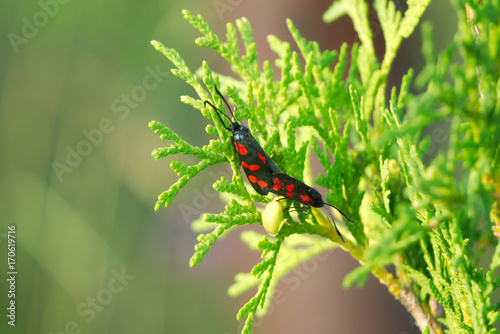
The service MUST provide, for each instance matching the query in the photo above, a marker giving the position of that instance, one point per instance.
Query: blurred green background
(79, 84)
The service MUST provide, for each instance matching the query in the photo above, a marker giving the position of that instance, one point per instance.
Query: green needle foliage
(431, 212)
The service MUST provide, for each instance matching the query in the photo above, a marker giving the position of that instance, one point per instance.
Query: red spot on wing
(251, 167)
(305, 199)
(289, 194)
(263, 184)
(242, 149)
(276, 182)
(290, 187)
(261, 157)
(252, 178)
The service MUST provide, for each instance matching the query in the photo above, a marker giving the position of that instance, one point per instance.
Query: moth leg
(300, 209)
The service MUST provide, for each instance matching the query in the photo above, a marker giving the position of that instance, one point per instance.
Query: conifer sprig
(430, 211)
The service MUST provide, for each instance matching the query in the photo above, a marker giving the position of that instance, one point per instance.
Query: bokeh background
(92, 255)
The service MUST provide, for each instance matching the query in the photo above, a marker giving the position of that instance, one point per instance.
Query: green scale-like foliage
(431, 216)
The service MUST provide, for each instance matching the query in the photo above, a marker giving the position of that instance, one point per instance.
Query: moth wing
(267, 161)
(257, 165)
(289, 187)
(257, 156)
(259, 181)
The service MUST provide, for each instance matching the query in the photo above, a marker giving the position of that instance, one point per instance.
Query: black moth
(255, 162)
(262, 172)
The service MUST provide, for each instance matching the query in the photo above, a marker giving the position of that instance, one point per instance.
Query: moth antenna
(335, 225)
(227, 104)
(218, 113)
(343, 214)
